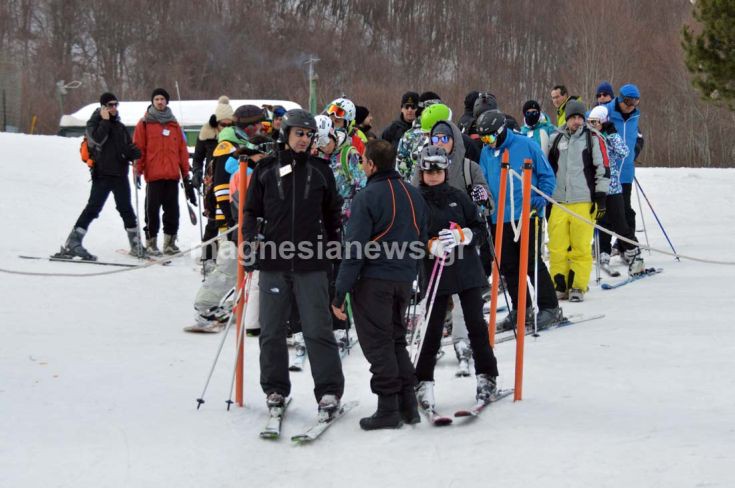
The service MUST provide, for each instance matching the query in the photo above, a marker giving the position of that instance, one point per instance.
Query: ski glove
(538, 203)
(479, 194)
(132, 152)
(599, 206)
(436, 247)
(196, 179)
(189, 190)
(451, 238)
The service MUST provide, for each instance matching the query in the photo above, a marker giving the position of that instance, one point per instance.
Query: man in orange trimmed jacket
(164, 159)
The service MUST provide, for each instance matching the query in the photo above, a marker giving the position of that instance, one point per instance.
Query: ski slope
(98, 382)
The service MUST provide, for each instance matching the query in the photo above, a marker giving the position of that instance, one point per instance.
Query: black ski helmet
(484, 102)
(490, 122)
(296, 118)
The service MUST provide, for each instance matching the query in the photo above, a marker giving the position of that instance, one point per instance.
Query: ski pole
(496, 265)
(597, 257)
(638, 185)
(415, 330)
(348, 309)
(535, 276)
(643, 220)
(200, 400)
(137, 217)
(429, 310)
(240, 336)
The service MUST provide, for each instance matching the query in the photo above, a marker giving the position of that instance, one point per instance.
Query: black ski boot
(408, 406)
(73, 246)
(136, 247)
(386, 417)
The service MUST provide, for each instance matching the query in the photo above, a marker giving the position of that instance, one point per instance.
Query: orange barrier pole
(522, 283)
(243, 191)
(504, 165)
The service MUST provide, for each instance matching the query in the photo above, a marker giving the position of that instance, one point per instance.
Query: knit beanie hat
(469, 100)
(160, 91)
(605, 87)
(575, 107)
(224, 109)
(278, 111)
(361, 114)
(410, 97)
(531, 105)
(249, 114)
(598, 113)
(428, 98)
(630, 91)
(107, 97)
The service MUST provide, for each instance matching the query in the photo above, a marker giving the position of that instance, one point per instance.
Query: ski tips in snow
(313, 431)
(477, 409)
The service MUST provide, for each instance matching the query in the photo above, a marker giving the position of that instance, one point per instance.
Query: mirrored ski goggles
(304, 133)
(429, 163)
(336, 110)
(437, 139)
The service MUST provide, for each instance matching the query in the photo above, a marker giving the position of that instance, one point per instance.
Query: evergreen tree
(710, 54)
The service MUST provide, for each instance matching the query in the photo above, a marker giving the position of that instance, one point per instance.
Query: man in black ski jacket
(296, 197)
(388, 214)
(409, 108)
(111, 148)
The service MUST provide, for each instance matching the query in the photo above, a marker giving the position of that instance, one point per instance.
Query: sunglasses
(438, 139)
(531, 113)
(337, 111)
(409, 106)
(595, 121)
(600, 95)
(631, 102)
(112, 104)
(304, 133)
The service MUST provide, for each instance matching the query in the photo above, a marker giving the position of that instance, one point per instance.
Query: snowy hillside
(98, 382)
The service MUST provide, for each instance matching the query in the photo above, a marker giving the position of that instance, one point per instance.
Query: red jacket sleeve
(184, 154)
(140, 140)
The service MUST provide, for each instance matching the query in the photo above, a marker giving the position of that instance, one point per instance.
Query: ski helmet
(433, 158)
(324, 130)
(433, 114)
(485, 101)
(342, 108)
(296, 118)
(490, 126)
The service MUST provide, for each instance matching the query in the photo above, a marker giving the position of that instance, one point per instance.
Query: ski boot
(73, 247)
(328, 406)
(151, 247)
(548, 317)
(486, 388)
(508, 323)
(562, 293)
(136, 247)
(169, 244)
(408, 406)
(635, 261)
(385, 417)
(464, 353)
(576, 295)
(425, 395)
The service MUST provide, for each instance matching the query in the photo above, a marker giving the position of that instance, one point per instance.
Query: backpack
(589, 168)
(86, 150)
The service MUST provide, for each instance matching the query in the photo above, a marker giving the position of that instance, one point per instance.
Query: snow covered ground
(98, 382)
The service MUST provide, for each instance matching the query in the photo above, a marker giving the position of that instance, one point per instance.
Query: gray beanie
(575, 107)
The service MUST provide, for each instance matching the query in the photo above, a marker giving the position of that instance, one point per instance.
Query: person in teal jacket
(497, 140)
(536, 125)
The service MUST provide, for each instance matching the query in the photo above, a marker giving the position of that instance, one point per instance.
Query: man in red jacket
(164, 159)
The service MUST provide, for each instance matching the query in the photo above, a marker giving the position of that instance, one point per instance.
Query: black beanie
(469, 100)
(160, 91)
(107, 97)
(361, 114)
(531, 104)
(428, 96)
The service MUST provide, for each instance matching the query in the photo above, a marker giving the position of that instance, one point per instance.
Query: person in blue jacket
(497, 140)
(624, 114)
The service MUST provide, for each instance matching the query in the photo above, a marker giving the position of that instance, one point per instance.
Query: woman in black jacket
(454, 230)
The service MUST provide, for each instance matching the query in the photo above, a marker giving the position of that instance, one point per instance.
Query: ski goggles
(267, 126)
(304, 133)
(491, 138)
(437, 139)
(429, 163)
(336, 110)
(631, 102)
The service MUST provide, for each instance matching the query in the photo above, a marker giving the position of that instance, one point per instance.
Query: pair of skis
(312, 432)
(438, 420)
(630, 279)
(576, 318)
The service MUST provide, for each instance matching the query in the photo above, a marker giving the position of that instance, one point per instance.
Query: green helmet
(433, 114)
(231, 134)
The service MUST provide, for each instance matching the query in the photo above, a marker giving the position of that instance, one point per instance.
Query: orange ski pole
(243, 190)
(522, 283)
(504, 165)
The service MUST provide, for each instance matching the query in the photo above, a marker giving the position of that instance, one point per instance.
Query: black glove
(189, 190)
(196, 179)
(250, 255)
(132, 152)
(599, 206)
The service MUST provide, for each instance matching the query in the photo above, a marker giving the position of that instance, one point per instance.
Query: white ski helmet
(324, 130)
(342, 108)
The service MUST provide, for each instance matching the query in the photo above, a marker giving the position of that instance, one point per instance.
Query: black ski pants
(158, 194)
(615, 220)
(310, 292)
(482, 353)
(380, 307)
(629, 212)
(210, 232)
(102, 186)
(511, 259)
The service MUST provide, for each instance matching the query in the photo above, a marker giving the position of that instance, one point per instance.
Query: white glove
(455, 237)
(436, 247)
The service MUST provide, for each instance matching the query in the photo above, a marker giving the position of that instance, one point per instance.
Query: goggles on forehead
(433, 162)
